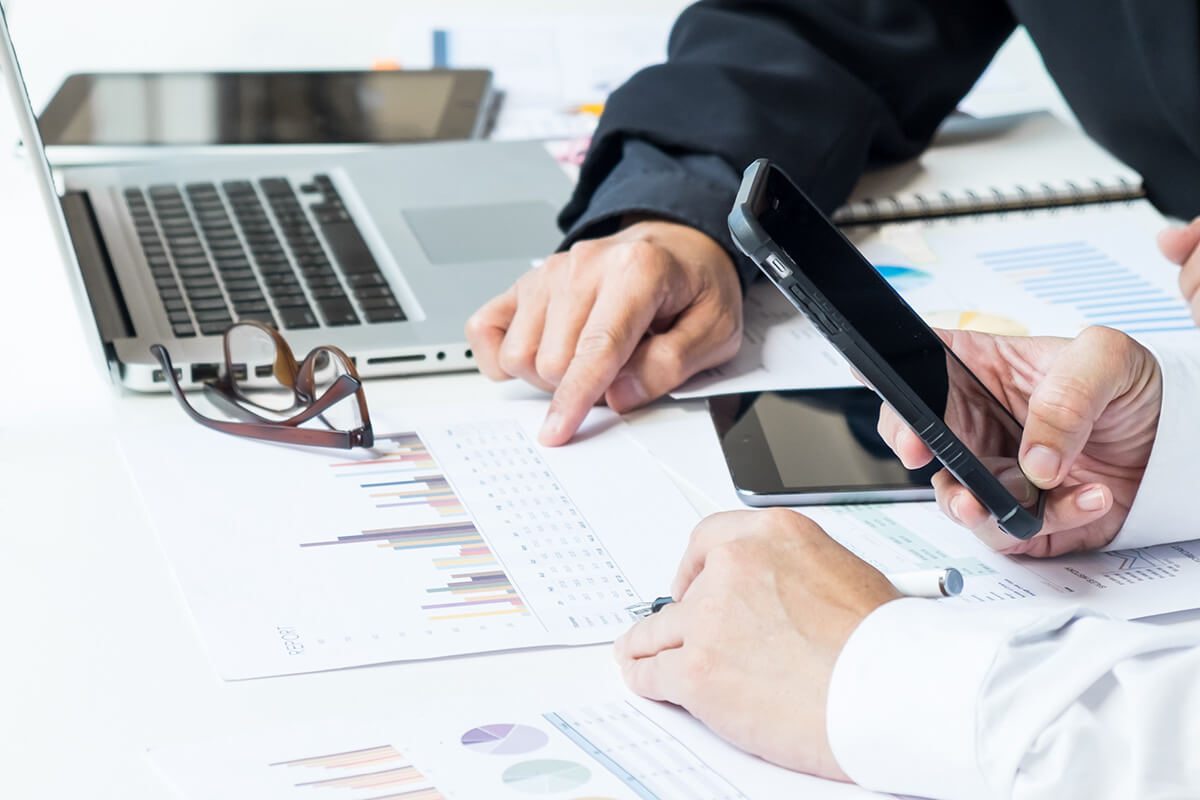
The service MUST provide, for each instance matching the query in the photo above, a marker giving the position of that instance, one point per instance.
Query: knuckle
(1103, 339)
(730, 560)
(1062, 404)
(697, 668)
(551, 365)
(583, 250)
(779, 519)
(476, 329)
(642, 253)
(598, 344)
(514, 358)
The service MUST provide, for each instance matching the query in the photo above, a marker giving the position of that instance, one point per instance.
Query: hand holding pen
(767, 603)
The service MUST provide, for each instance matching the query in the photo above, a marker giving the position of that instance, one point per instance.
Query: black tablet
(811, 447)
(190, 109)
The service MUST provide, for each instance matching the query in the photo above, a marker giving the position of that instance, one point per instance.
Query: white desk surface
(98, 657)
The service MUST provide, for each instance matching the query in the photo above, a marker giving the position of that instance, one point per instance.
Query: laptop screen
(36, 153)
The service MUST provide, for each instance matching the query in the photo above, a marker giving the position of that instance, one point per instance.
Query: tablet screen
(273, 108)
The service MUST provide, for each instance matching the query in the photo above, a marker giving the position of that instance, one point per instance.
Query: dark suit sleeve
(825, 88)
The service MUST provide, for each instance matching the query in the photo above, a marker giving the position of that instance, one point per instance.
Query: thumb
(1177, 243)
(1082, 380)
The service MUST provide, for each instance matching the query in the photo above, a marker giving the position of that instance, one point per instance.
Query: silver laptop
(383, 252)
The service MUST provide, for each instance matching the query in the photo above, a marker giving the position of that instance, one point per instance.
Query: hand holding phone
(821, 273)
(1090, 406)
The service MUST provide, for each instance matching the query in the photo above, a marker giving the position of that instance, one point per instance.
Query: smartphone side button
(814, 313)
(777, 266)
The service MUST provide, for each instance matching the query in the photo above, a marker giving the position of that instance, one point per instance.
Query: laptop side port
(204, 372)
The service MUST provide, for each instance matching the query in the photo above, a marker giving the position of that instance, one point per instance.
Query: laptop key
(250, 306)
(338, 312)
(350, 252)
(373, 303)
(368, 292)
(385, 314)
(298, 317)
(208, 304)
(366, 279)
(215, 328)
(264, 317)
(289, 300)
(183, 330)
(216, 315)
(203, 292)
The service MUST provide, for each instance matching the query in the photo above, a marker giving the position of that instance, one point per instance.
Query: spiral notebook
(977, 165)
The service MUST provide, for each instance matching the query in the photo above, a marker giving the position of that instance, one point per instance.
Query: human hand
(765, 602)
(627, 317)
(1182, 246)
(1090, 409)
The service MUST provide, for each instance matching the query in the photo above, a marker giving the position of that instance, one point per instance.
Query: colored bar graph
(368, 759)
(387, 777)
(350, 758)
(1104, 292)
(477, 585)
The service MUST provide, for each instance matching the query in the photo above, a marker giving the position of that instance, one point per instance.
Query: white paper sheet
(1041, 273)
(899, 537)
(467, 537)
(614, 747)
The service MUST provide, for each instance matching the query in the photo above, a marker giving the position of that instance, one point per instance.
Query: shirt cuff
(903, 699)
(1160, 513)
(696, 190)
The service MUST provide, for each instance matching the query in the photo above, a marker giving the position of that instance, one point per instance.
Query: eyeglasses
(312, 389)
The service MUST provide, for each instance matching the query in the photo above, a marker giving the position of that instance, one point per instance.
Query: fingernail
(1090, 499)
(1041, 463)
(626, 392)
(955, 503)
(552, 427)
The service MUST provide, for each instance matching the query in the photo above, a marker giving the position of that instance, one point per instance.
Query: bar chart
(456, 534)
(367, 769)
(1080, 276)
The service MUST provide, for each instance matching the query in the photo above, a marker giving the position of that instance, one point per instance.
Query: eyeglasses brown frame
(300, 377)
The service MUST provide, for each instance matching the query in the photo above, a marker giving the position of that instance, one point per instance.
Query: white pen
(946, 582)
(928, 582)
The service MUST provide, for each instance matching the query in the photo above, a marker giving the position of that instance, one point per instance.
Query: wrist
(682, 240)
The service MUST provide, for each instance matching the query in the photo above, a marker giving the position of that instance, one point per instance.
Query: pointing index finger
(617, 323)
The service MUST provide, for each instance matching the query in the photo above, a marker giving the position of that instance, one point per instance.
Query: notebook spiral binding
(917, 205)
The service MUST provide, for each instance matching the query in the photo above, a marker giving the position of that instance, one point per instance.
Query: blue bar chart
(1081, 277)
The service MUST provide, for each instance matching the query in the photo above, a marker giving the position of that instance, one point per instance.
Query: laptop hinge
(99, 277)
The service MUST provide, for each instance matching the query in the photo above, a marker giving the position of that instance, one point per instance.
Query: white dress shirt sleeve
(1163, 510)
(948, 701)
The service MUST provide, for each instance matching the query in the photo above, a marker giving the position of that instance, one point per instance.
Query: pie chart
(546, 776)
(904, 279)
(504, 739)
(976, 321)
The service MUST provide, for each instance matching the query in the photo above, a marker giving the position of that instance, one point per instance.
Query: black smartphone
(821, 273)
(811, 447)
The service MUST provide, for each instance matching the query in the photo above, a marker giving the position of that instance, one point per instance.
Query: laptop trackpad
(459, 234)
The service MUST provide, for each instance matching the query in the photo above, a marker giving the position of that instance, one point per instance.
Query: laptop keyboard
(219, 255)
